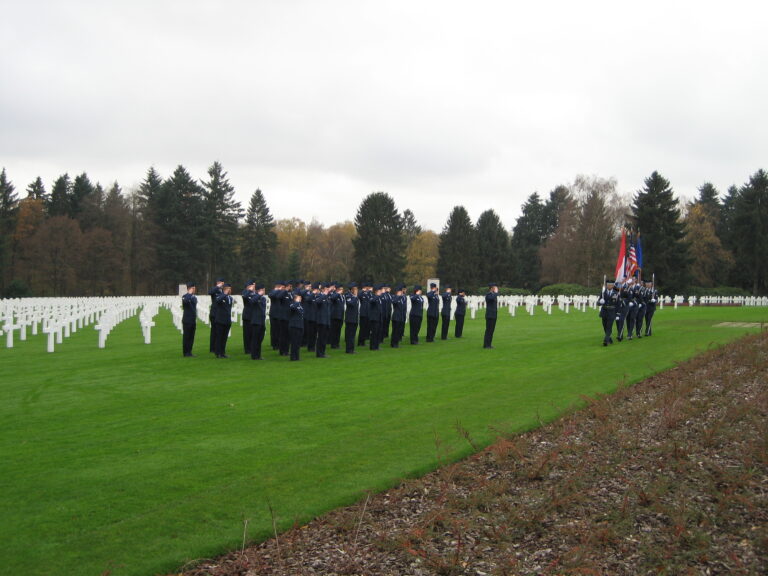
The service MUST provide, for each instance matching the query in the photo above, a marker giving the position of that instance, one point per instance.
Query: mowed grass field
(133, 460)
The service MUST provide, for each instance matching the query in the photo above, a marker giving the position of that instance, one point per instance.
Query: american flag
(631, 260)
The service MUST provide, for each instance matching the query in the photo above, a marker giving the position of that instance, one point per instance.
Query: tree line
(84, 239)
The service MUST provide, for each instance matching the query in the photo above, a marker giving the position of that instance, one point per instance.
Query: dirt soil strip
(665, 477)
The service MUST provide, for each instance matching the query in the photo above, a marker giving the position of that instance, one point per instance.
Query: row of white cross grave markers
(60, 317)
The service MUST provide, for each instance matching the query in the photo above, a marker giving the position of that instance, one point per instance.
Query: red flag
(621, 263)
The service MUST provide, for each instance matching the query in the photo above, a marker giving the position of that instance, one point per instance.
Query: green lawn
(135, 460)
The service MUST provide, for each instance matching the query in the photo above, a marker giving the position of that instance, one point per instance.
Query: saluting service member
(258, 321)
(433, 311)
(417, 313)
(306, 296)
(284, 303)
(323, 307)
(188, 319)
(461, 311)
(375, 314)
(248, 293)
(364, 328)
(295, 325)
(608, 301)
(491, 306)
(214, 293)
(336, 296)
(223, 320)
(274, 315)
(386, 309)
(310, 317)
(652, 297)
(352, 317)
(445, 313)
(399, 307)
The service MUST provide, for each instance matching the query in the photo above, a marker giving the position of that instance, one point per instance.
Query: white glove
(601, 301)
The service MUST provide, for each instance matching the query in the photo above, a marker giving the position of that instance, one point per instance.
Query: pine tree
(457, 252)
(92, 208)
(665, 250)
(178, 213)
(259, 240)
(527, 237)
(411, 227)
(145, 234)
(9, 205)
(558, 199)
(117, 219)
(59, 203)
(219, 232)
(36, 190)
(81, 200)
(749, 225)
(492, 248)
(380, 243)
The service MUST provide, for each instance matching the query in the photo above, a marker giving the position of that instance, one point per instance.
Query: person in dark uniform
(630, 301)
(274, 315)
(417, 313)
(399, 308)
(223, 320)
(364, 328)
(622, 308)
(433, 311)
(295, 326)
(642, 305)
(258, 321)
(284, 303)
(445, 313)
(375, 314)
(609, 300)
(460, 313)
(386, 309)
(306, 296)
(214, 293)
(188, 319)
(323, 307)
(491, 313)
(248, 293)
(652, 298)
(310, 317)
(336, 296)
(351, 317)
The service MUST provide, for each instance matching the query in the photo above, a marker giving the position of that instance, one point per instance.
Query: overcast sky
(438, 103)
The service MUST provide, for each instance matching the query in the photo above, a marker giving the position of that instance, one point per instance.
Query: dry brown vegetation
(665, 477)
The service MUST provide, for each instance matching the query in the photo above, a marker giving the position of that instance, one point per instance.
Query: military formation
(312, 316)
(627, 305)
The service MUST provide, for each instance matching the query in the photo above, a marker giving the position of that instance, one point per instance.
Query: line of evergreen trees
(83, 239)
